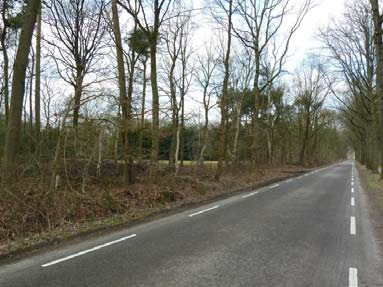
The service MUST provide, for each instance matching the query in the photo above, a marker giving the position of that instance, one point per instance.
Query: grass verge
(373, 185)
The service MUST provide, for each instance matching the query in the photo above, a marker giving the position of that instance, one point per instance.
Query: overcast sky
(304, 41)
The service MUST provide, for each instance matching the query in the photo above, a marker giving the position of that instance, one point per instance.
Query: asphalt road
(307, 231)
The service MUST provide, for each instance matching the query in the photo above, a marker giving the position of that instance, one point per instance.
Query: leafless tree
(12, 141)
(205, 77)
(151, 27)
(377, 15)
(223, 13)
(350, 43)
(78, 29)
(311, 90)
(261, 29)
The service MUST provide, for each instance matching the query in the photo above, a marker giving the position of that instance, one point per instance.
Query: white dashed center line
(352, 201)
(275, 185)
(353, 277)
(88, 250)
(352, 189)
(250, 194)
(352, 226)
(203, 211)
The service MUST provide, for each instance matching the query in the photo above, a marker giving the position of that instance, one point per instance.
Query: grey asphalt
(296, 233)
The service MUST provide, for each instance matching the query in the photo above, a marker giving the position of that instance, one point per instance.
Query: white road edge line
(352, 226)
(353, 277)
(88, 251)
(289, 180)
(352, 201)
(250, 194)
(203, 211)
(275, 185)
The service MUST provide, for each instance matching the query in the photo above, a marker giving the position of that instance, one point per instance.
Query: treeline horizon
(93, 86)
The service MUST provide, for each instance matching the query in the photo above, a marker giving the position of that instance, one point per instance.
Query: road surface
(311, 230)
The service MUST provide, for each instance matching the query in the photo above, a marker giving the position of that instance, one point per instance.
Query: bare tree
(12, 142)
(78, 29)
(37, 109)
(4, 32)
(173, 47)
(160, 10)
(241, 75)
(142, 114)
(186, 76)
(11, 20)
(350, 43)
(262, 28)
(378, 40)
(311, 90)
(207, 66)
(125, 102)
(226, 8)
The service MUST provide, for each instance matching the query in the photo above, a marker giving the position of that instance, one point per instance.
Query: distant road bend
(311, 230)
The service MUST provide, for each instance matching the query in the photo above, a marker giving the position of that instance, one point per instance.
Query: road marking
(352, 183)
(250, 194)
(352, 201)
(289, 180)
(352, 189)
(87, 251)
(203, 211)
(352, 226)
(275, 185)
(353, 277)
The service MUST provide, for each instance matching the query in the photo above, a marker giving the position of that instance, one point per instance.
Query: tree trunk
(124, 100)
(77, 97)
(154, 84)
(256, 107)
(100, 151)
(174, 107)
(177, 166)
(142, 120)
(31, 131)
(5, 64)
(222, 146)
(204, 136)
(55, 177)
(237, 130)
(182, 131)
(37, 85)
(129, 143)
(378, 41)
(12, 142)
(305, 139)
